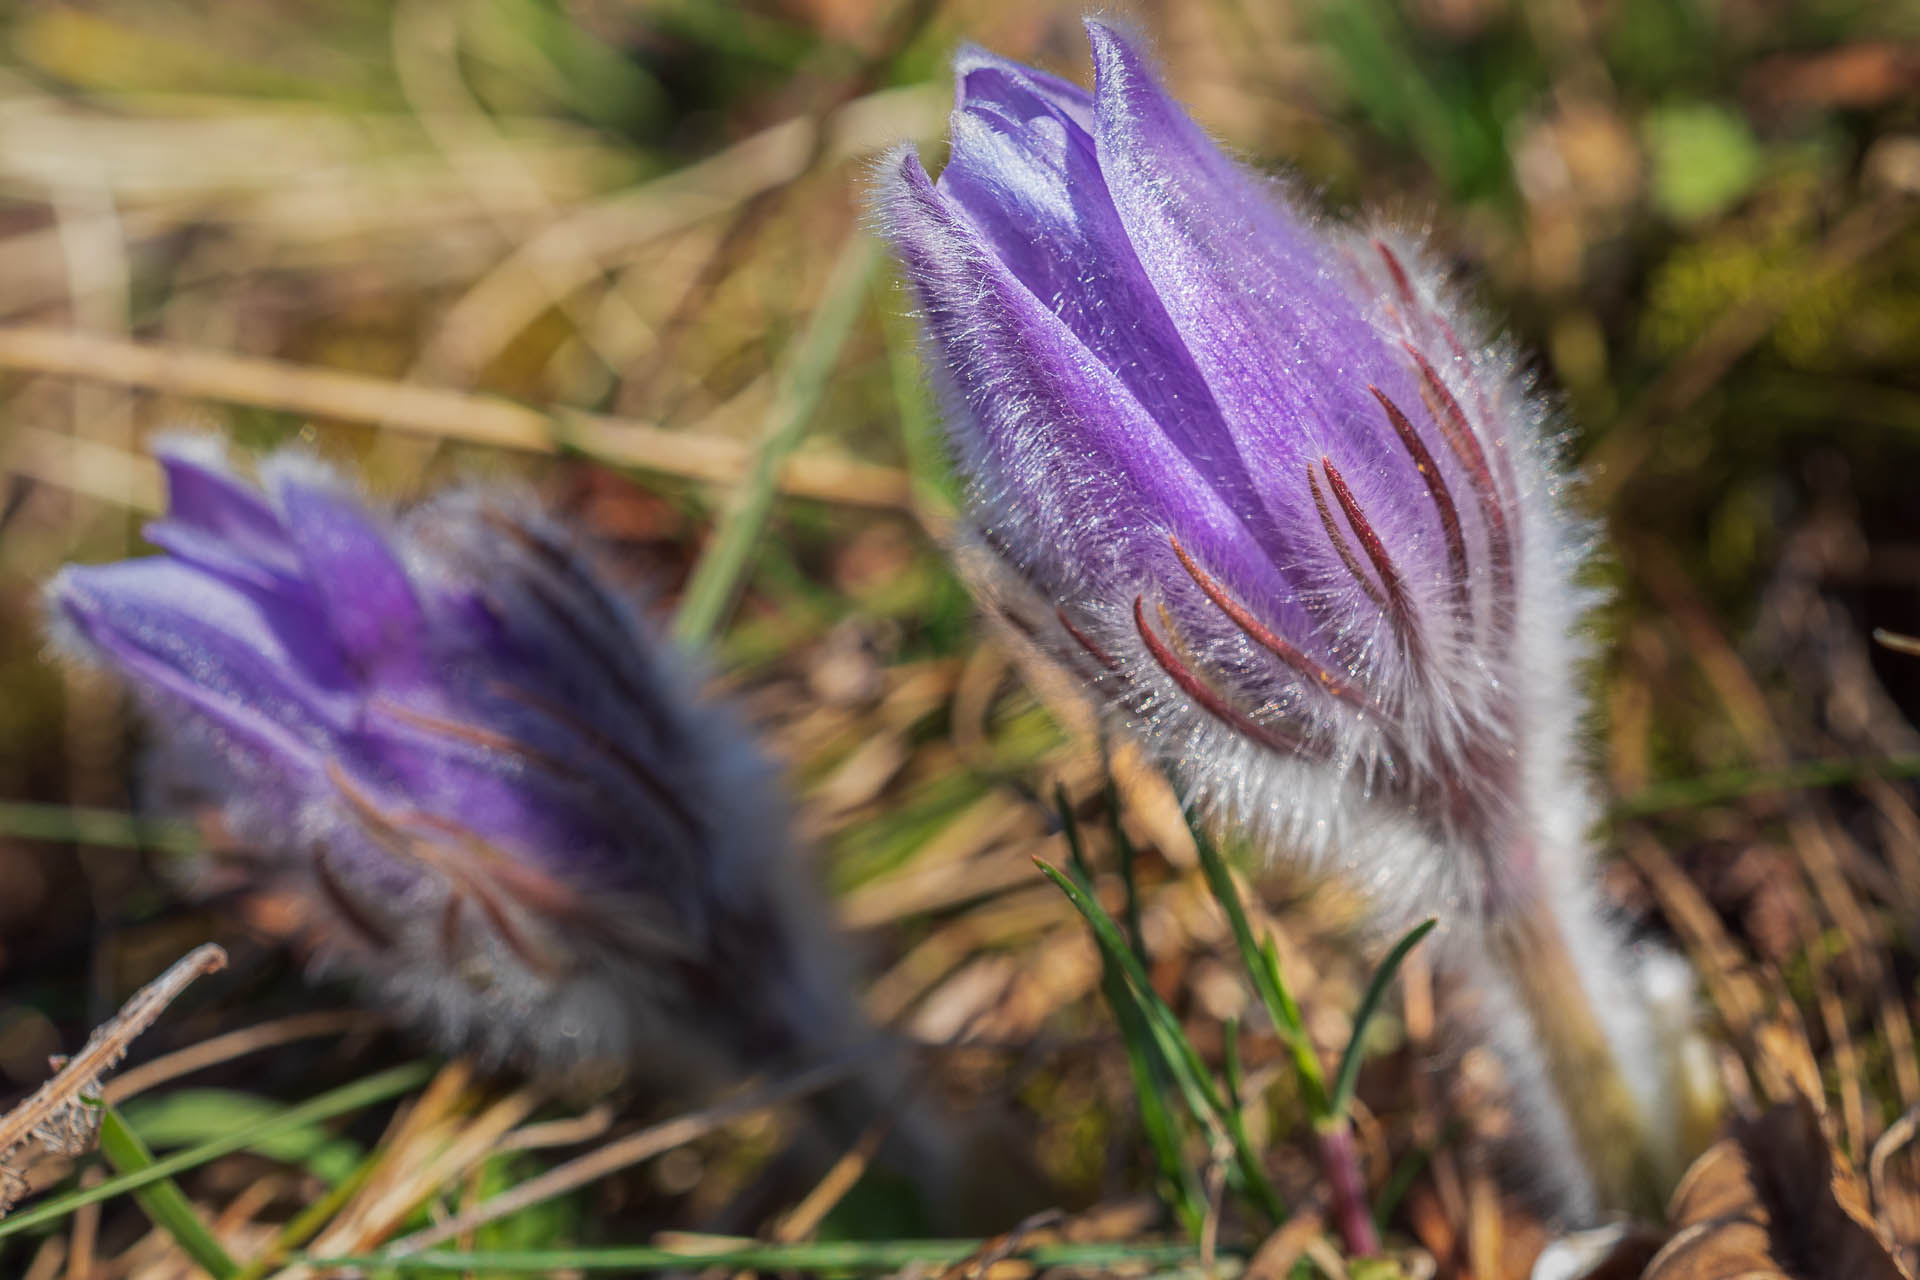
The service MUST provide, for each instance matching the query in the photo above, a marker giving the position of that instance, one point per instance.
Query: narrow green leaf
(1070, 829)
(1349, 1073)
(351, 1097)
(1148, 1065)
(812, 1257)
(1253, 1178)
(108, 828)
(1128, 857)
(183, 1117)
(1181, 1057)
(308, 1222)
(802, 380)
(1183, 1189)
(1230, 1033)
(1183, 1060)
(1401, 1178)
(936, 486)
(1708, 789)
(162, 1200)
(1263, 963)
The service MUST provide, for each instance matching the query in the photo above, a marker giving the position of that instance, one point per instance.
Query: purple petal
(1027, 178)
(370, 605)
(186, 637)
(1262, 303)
(216, 520)
(472, 776)
(1057, 435)
(980, 76)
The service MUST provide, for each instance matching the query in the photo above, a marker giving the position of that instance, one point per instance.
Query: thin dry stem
(63, 1115)
(833, 1185)
(453, 415)
(629, 1150)
(235, 1044)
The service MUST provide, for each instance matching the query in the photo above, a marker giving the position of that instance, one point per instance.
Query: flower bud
(1292, 517)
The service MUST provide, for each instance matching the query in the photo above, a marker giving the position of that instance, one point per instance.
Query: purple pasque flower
(1288, 510)
(489, 790)
(1297, 523)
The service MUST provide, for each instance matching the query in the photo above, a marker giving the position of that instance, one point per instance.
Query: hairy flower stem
(1346, 1188)
(1616, 1142)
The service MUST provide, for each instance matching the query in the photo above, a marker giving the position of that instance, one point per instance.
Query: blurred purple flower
(1282, 506)
(486, 786)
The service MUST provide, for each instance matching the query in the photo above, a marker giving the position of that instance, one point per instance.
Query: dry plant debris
(1775, 1199)
(62, 1116)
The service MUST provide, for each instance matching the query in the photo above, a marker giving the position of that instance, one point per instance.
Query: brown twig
(63, 1115)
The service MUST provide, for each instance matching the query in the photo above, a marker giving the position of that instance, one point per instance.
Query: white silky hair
(1344, 814)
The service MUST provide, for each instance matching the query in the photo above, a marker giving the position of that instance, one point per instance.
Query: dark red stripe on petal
(389, 830)
(1201, 692)
(349, 907)
(644, 776)
(1264, 637)
(1087, 642)
(538, 960)
(1438, 491)
(642, 773)
(1465, 444)
(1398, 272)
(1370, 542)
(1339, 541)
(530, 886)
(450, 926)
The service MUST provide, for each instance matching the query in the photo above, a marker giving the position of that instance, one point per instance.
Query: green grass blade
(1252, 1178)
(107, 828)
(1150, 1070)
(162, 1200)
(308, 1222)
(1263, 963)
(1349, 1072)
(816, 1256)
(1183, 1060)
(1293, 1033)
(1183, 1192)
(1236, 1079)
(1070, 829)
(1399, 1182)
(1128, 856)
(1707, 790)
(803, 378)
(936, 487)
(351, 1097)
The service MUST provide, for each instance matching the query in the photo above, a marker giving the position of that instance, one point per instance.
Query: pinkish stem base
(1340, 1165)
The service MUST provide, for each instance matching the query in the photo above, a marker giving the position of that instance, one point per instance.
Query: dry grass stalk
(445, 414)
(629, 1150)
(234, 1044)
(63, 1115)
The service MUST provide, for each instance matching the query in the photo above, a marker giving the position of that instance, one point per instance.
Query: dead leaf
(1775, 1199)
